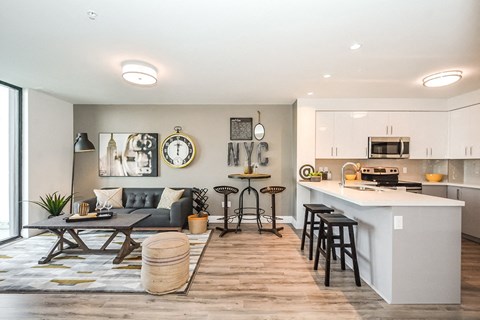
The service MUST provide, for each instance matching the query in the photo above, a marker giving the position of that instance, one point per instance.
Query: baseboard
(471, 238)
(285, 219)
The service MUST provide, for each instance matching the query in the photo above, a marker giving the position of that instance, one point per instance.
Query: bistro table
(241, 210)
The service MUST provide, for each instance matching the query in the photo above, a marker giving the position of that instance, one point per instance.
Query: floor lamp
(81, 144)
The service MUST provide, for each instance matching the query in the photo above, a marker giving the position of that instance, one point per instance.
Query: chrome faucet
(343, 171)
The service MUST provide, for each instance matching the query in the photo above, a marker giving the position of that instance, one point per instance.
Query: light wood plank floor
(252, 276)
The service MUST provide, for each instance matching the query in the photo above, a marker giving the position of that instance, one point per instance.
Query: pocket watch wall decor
(178, 149)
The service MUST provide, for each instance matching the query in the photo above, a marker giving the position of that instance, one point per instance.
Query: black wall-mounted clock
(178, 149)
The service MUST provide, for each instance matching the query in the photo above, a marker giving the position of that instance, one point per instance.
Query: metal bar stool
(313, 209)
(273, 218)
(336, 220)
(226, 190)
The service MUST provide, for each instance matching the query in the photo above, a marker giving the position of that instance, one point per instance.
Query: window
(10, 161)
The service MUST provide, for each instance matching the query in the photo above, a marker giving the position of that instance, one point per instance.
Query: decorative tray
(90, 216)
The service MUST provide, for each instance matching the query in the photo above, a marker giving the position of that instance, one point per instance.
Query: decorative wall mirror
(259, 130)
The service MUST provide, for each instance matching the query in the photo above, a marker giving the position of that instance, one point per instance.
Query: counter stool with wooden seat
(328, 221)
(273, 218)
(311, 210)
(226, 190)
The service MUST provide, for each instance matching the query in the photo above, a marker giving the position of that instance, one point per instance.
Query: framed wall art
(241, 129)
(128, 155)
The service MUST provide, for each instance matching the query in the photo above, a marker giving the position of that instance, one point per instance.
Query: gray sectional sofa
(145, 200)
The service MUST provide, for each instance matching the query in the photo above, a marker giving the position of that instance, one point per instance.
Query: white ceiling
(244, 51)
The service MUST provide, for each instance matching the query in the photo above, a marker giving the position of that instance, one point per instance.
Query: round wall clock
(178, 149)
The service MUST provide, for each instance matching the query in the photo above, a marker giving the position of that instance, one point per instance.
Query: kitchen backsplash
(415, 169)
(471, 172)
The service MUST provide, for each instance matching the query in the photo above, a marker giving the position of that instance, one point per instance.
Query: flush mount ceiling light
(139, 74)
(326, 76)
(442, 78)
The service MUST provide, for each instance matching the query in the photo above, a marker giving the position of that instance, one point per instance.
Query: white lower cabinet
(471, 211)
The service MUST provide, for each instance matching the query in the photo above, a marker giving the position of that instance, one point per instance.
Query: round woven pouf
(165, 262)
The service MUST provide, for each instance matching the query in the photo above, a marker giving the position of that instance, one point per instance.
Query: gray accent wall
(209, 126)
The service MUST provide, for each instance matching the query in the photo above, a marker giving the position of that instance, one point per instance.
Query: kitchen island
(408, 245)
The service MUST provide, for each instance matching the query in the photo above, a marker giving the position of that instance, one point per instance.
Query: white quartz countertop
(451, 184)
(380, 197)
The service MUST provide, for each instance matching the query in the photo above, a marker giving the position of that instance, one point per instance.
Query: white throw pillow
(114, 196)
(169, 196)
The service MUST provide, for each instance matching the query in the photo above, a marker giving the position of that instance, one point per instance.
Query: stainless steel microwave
(388, 147)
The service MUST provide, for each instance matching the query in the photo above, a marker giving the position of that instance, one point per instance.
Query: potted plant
(53, 203)
(315, 176)
(197, 223)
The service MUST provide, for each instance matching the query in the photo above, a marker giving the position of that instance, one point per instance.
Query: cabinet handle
(466, 150)
(426, 152)
(391, 130)
(471, 150)
(458, 194)
(336, 151)
(331, 151)
(386, 130)
(431, 152)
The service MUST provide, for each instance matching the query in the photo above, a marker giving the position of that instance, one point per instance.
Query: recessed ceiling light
(139, 74)
(355, 46)
(326, 76)
(443, 78)
(92, 15)
(310, 93)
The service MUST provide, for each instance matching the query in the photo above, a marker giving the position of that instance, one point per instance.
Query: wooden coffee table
(119, 223)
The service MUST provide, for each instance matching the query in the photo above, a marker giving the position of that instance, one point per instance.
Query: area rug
(20, 271)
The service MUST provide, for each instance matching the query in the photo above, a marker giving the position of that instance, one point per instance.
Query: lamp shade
(139, 74)
(82, 144)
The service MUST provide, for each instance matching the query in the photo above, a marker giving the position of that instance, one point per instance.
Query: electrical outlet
(229, 204)
(398, 222)
(405, 170)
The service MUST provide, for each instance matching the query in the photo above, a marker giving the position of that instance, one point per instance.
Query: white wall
(375, 104)
(464, 100)
(209, 126)
(47, 151)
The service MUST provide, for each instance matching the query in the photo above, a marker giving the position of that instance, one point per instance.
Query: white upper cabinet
(388, 124)
(400, 124)
(351, 135)
(344, 135)
(428, 135)
(324, 134)
(341, 135)
(464, 137)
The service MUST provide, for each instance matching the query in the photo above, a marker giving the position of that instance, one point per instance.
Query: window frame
(16, 197)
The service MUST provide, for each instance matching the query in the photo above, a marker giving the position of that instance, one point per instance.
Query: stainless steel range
(388, 177)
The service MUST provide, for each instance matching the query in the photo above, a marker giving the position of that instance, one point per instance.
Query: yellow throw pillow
(114, 196)
(169, 196)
